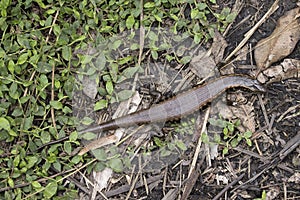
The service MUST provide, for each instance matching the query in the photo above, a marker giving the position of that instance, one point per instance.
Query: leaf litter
(281, 42)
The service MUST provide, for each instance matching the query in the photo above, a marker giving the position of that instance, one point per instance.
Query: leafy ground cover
(43, 47)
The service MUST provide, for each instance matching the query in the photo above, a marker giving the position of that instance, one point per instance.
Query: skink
(180, 105)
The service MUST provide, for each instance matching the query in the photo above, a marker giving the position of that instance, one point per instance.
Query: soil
(277, 179)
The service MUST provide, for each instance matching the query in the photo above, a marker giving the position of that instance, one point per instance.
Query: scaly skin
(180, 105)
(174, 108)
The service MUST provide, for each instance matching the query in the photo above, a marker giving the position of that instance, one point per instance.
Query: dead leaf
(289, 68)
(246, 115)
(89, 87)
(243, 112)
(295, 178)
(203, 64)
(101, 181)
(281, 42)
(273, 193)
(218, 47)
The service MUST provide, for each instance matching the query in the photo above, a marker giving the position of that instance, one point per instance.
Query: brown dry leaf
(246, 115)
(295, 178)
(273, 193)
(89, 87)
(218, 47)
(243, 112)
(202, 64)
(289, 68)
(281, 42)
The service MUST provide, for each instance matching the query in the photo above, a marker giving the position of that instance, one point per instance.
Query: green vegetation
(44, 46)
(231, 137)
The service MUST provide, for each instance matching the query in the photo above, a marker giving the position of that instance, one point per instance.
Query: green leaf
(13, 91)
(86, 59)
(202, 6)
(185, 59)
(116, 44)
(56, 29)
(45, 137)
(28, 123)
(76, 159)
(205, 138)
(73, 136)
(157, 17)
(36, 184)
(264, 195)
(154, 54)
(11, 66)
(88, 136)
(225, 151)
(66, 52)
(174, 17)
(50, 190)
(116, 164)
(129, 72)
(149, 5)
(31, 160)
(16, 161)
(56, 105)
(57, 84)
(12, 133)
(43, 67)
(125, 60)
(225, 131)
(248, 134)
(10, 182)
(171, 146)
(234, 142)
(249, 142)
(43, 80)
(109, 87)
(100, 154)
(230, 17)
(67, 110)
(230, 127)
(4, 124)
(237, 123)
(158, 141)
(80, 38)
(239, 138)
(164, 152)
(181, 145)
(100, 166)
(50, 11)
(153, 36)
(22, 58)
(17, 112)
(125, 94)
(100, 104)
(130, 22)
(100, 62)
(170, 58)
(217, 138)
(194, 13)
(68, 147)
(87, 121)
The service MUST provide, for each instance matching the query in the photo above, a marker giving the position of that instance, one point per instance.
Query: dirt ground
(267, 169)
